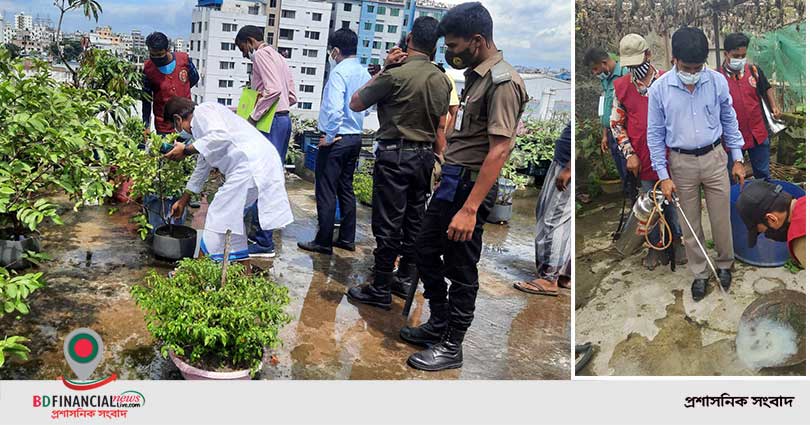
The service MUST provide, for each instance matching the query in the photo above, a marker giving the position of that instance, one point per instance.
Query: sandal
(534, 289)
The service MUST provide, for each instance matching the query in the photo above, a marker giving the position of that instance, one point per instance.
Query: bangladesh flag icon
(83, 352)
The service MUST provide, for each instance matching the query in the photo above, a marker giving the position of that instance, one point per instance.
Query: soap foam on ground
(765, 343)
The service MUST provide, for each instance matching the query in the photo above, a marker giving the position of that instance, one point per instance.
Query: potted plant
(601, 173)
(14, 290)
(213, 327)
(364, 182)
(156, 184)
(50, 139)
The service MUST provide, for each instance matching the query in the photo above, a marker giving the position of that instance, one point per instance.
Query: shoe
(258, 251)
(314, 247)
(680, 252)
(377, 294)
(405, 276)
(430, 333)
(444, 355)
(654, 259)
(344, 245)
(699, 289)
(725, 278)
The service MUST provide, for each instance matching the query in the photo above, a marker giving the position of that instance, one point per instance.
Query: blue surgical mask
(185, 136)
(736, 64)
(602, 75)
(168, 68)
(689, 79)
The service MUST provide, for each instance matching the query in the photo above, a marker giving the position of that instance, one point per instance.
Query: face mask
(736, 64)
(460, 60)
(160, 61)
(182, 134)
(689, 79)
(251, 54)
(332, 60)
(602, 75)
(779, 234)
(167, 69)
(640, 72)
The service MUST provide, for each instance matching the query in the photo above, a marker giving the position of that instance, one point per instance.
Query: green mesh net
(780, 54)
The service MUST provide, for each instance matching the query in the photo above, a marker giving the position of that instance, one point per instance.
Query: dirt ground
(98, 257)
(645, 323)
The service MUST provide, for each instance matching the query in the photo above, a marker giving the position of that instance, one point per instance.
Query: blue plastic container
(766, 253)
(311, 157)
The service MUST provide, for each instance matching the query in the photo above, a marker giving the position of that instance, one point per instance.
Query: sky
(534, 33)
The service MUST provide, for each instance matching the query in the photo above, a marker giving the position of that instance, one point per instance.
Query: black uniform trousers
(334, 174)
(439, 257)
(401, 184)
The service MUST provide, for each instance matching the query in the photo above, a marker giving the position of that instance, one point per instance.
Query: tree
(90, 8)
(72, 50)
(13, 50)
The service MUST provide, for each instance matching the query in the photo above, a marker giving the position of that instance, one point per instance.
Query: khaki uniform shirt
(411, 98)
(491, 106)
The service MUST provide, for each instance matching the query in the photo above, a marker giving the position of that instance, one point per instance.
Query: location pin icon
(83, 352)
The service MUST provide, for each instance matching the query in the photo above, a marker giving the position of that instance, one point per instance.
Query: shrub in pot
(51, 138)
(209, 325)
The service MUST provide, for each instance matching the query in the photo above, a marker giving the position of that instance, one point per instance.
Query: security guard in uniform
(412, 97)
(493, 100)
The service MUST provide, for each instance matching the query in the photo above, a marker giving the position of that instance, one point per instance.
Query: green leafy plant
(50, 138)
(363, 187)
(212, 325)
(534, 145)
(14, 291)
(117, 78)
(594, 165)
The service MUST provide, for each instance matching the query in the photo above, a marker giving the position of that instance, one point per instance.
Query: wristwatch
(187, 151)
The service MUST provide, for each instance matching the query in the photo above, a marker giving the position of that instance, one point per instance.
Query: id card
(601, 105)
(460, 114)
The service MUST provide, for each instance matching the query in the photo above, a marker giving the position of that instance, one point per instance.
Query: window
(394, 12)
(364, 60)
(347, 7)
(253, 10)
(285, 34)
(344, 24)
(365, 43)
(389, 46)
(370, 8)
(229, 27)
(224, 101)
(203, 63)
(313, 35)
(367, 26)
(285, 51)
(273, 3)
(307, 70)
(381, 10)
(311, 53)
(376, 45)
(271, 21)
(270, 38)
(206, 26)
(227, 65)
(193, 24)
(225, 46)
(224, 84)
(250, 68)
(205, 44)
(305, 105)
(392, 29)
(287, 13)
(378, 28)
(317, 17)
(305, 88)
(375, 61)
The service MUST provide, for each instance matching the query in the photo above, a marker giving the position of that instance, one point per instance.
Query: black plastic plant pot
(174, 242)
(13, 250)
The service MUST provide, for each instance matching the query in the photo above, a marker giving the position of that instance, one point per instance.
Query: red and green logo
(83, 352)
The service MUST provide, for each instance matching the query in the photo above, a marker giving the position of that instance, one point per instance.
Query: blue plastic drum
(766, 253)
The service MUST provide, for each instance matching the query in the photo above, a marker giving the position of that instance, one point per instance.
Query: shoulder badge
(441, 68)
(501, 73)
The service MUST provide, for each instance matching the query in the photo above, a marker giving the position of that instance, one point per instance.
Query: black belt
(699, 151)
(282, 113)
(406, 145)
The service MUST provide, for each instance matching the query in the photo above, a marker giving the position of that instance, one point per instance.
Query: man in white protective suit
(230, 144)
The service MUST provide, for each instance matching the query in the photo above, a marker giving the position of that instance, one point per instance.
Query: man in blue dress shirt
(689, 111)
(339, 147)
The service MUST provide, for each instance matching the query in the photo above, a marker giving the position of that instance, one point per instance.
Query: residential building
(138, 41)
(380, 24)
(2, 30)
(223, 70)
(303, 33)
(23, 22)
(180, 45)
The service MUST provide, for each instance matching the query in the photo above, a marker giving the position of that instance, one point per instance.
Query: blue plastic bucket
(766, 253)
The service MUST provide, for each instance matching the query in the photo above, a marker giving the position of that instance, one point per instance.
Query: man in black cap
(766, 208)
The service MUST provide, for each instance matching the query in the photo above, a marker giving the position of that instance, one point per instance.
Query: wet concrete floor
(97, 258)
(645, 323)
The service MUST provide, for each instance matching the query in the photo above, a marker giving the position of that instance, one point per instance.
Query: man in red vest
(748, 87)
(765, 208)
(628, 122)
(166, 75)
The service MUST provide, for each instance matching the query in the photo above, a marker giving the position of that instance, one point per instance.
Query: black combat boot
(405, 277)
(444, 355)
(377, 293)
(429, 333)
